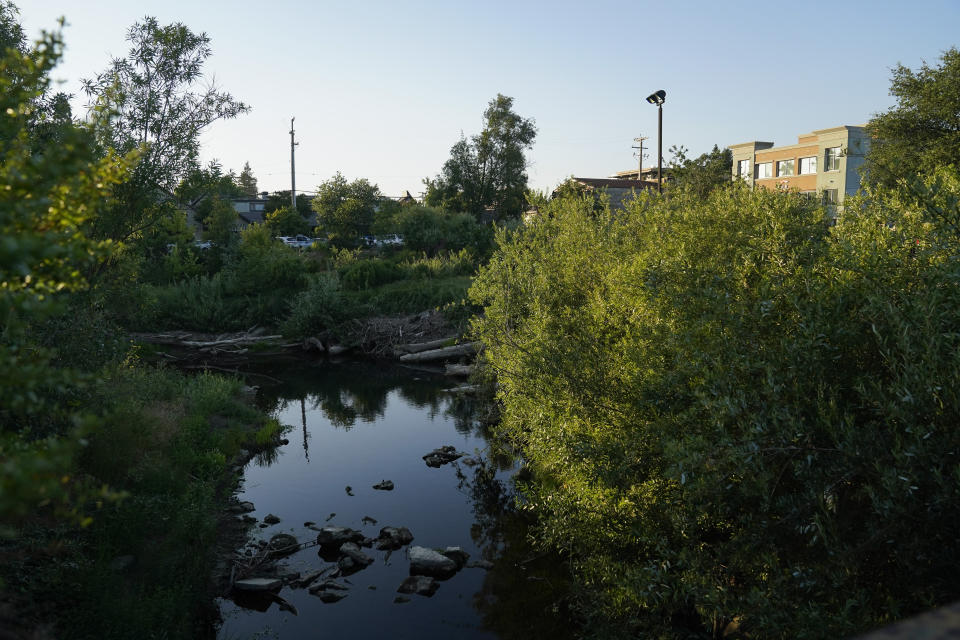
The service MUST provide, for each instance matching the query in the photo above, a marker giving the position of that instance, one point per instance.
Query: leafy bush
(432, 230)
(318, 308)
(730, 407)
(446, 265)
(409, 296)
(366, 274)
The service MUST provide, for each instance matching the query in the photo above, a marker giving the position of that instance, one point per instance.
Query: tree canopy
(922, 131)
(345, 210)
(489, 169)
(247, 182)
(148, 101)
(702, 174)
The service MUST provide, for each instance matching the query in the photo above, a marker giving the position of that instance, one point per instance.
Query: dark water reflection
(353, 426)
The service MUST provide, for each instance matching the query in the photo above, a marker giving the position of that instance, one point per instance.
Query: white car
(298, 241)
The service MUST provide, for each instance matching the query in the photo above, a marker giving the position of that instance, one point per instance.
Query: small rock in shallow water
(330, 517)
(368, 519)
(258, 584)
(401, 600)
(420, 585)
(458, 555)
(309, 523)
(349, 490)
(480, 564)
(328, 597)
(271, 519)
(384, 485)
(427, 562)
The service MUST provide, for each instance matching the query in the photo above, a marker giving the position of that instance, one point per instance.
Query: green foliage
(318, 308)
(490, 168)
(409, 296)
(366, 274)
(259, 280)
(433, 230)
(47, 198)
(345, 210)
(146, 102)
(922, 132)
(221, 224)
(702, 174)
(729, 406)
(279, 199)
(284, 221)
(247, 182)
(448, 265)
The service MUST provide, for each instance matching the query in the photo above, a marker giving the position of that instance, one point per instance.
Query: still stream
(357, 424)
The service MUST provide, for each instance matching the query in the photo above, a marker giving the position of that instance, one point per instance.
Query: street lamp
(658, 98)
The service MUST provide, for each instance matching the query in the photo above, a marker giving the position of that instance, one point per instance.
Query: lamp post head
(658, 97)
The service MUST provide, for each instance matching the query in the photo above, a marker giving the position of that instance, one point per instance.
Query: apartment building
(823, 163)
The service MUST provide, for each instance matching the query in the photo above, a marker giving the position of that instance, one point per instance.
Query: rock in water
(258, 584)
(421, 585)
(393, 538)
(442, 456)
(283, 543)
(271, 519)
(336, 536)
(427, 562)
(458, 555)
(352, 559)
(328, 597)
(384, 485)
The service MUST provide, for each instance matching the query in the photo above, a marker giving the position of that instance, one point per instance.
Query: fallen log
(418, 347)
(464, 370)
(457, 350)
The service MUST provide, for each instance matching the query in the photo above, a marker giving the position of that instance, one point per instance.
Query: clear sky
(381, 89)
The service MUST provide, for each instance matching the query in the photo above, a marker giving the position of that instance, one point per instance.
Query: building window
(785, 167)
(810, 195)
(764, 170)
(808, 165)
(830, 197)
(743, 169)
(832, 159)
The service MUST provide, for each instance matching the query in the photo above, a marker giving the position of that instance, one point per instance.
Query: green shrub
(410, 296)
(737, 417)
(319, 308)
(366, 274)
(445, 265)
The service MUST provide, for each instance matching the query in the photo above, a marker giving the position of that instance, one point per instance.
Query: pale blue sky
(382, 89)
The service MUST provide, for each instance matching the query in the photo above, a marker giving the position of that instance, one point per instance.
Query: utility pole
(293, 172)
(640, 156)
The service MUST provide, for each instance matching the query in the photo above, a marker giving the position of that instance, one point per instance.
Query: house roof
(615, 183)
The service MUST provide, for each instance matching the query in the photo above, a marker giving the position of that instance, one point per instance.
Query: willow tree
(489, 169)
(152, 101)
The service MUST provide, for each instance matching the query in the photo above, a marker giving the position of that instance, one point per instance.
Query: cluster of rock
(442, 456)
(344, 547)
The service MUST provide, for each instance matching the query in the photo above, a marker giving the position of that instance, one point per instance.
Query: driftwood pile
(186, 346)
(199, 349)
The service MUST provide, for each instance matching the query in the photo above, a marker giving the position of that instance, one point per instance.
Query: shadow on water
(469, 503)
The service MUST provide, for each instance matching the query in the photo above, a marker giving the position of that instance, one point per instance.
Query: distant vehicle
(203, 244)
(391, 239)
(298, 241)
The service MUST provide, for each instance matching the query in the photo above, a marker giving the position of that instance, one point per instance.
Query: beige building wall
(838, 152)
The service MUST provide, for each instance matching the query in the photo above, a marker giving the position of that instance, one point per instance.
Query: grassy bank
(141, 568)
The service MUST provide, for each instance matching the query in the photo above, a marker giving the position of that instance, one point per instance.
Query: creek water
(352, 426)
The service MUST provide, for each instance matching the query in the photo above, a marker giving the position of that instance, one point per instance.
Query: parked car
(298, 241)
(203, 244)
